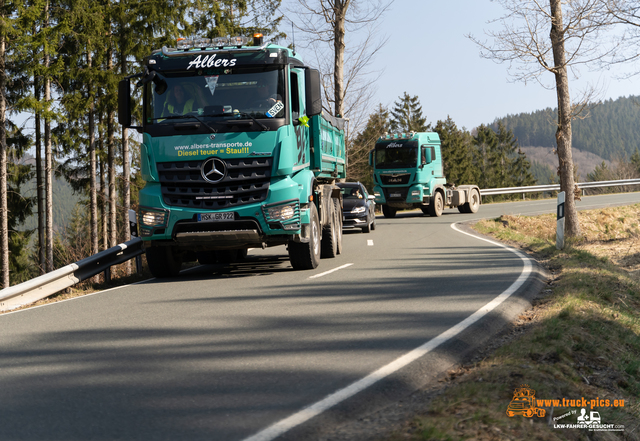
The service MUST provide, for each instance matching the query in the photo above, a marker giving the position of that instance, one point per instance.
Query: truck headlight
(153, 218)
(415, 193)
(281, 213)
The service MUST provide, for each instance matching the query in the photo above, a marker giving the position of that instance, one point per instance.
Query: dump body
(409, 173)
(239, 163)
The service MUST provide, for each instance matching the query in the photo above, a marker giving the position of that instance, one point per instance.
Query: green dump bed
(328, 155)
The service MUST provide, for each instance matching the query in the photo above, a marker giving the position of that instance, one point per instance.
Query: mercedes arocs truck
(236, 153)
(408, 173)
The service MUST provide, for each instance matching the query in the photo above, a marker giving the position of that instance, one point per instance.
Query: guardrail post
(133, 228)
(560, 222)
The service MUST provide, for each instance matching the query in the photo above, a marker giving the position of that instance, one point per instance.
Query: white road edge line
(370, 242)
(331, 271)
(317, 408)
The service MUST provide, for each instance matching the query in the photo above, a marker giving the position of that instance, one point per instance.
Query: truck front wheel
(307, 255)
(163, 261)
(388, 211)
(437, 205)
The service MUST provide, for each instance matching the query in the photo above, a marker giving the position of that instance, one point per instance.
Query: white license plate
(216, 217)
(396, 195)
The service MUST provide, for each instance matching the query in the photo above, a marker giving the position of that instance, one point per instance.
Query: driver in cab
(179, 101)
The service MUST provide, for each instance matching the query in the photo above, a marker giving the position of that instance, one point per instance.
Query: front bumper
(275, 221)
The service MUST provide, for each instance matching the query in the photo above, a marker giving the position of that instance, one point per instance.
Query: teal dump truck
(236, 153)
(408, 173)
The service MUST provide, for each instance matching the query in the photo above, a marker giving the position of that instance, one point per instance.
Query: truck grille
(396, 194)
(402, 179)
(246, 182)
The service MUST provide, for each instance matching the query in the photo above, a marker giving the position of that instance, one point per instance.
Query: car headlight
(358, 210)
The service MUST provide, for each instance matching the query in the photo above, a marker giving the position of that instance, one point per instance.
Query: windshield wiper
(187, 117)
(264, 128)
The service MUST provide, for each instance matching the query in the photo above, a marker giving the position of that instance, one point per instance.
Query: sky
(428, 55)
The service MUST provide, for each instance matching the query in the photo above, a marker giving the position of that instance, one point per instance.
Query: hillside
(610, 130)
(584, 161)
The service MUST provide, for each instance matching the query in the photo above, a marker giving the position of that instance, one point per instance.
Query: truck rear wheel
(473, 204)
(163, 261)
(437, 205)
(388, 211)
(338, 208)
(307, 255)
(329, 245)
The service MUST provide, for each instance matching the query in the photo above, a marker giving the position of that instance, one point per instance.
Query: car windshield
(242, 93)
(396, 155)
(351, 193)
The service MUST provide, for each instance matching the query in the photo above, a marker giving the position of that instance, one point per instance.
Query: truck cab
(236, 153)
(408, 173)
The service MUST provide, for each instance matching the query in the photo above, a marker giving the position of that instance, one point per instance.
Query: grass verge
(580, 340)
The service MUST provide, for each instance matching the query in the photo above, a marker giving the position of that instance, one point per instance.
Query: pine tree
(358, 153)
(406, 115)
(457, 153)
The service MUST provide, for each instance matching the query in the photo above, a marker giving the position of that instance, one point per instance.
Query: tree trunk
(42, 261)
(93, 197)
(126, 173)
(563, 132)
(48, 169)
(340, 9)
(111, 166)
(4, 210)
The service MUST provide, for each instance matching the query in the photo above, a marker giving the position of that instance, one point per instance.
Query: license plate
(216, 217)
(396, 195)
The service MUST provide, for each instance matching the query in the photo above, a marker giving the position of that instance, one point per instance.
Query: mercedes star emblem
(213, 170)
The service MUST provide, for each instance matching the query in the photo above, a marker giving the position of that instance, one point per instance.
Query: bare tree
(625, 14)
(325, 24)
(539, 38)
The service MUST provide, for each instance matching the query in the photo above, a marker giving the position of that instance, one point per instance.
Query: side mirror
(124, 103)
(426, 155)
(312, 92)
(371, 157)
(371, 197)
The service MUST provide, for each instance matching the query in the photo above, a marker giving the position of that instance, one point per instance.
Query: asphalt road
(224, 352)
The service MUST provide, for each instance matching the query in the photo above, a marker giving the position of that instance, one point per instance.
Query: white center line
(370, 242)
(330, 271)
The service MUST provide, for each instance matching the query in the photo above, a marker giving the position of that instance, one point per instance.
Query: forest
(609, 129)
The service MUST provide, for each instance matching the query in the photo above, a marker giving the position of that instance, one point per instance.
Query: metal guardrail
(50, 283)
(556, 187)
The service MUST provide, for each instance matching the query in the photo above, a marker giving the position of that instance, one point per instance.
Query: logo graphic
(213, 170)
(212, 136)
(524, 403)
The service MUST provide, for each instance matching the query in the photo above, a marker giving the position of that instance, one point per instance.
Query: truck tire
(473, 204)
(163, 261)
(389, 212)
(338, 207)
(329, 245)
(305, 256)
(437, 205)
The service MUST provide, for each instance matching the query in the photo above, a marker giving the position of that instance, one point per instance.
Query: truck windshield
(394, 155)
(219, 93)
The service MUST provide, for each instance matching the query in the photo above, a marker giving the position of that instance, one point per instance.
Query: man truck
(408, 173)
(228, 166)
